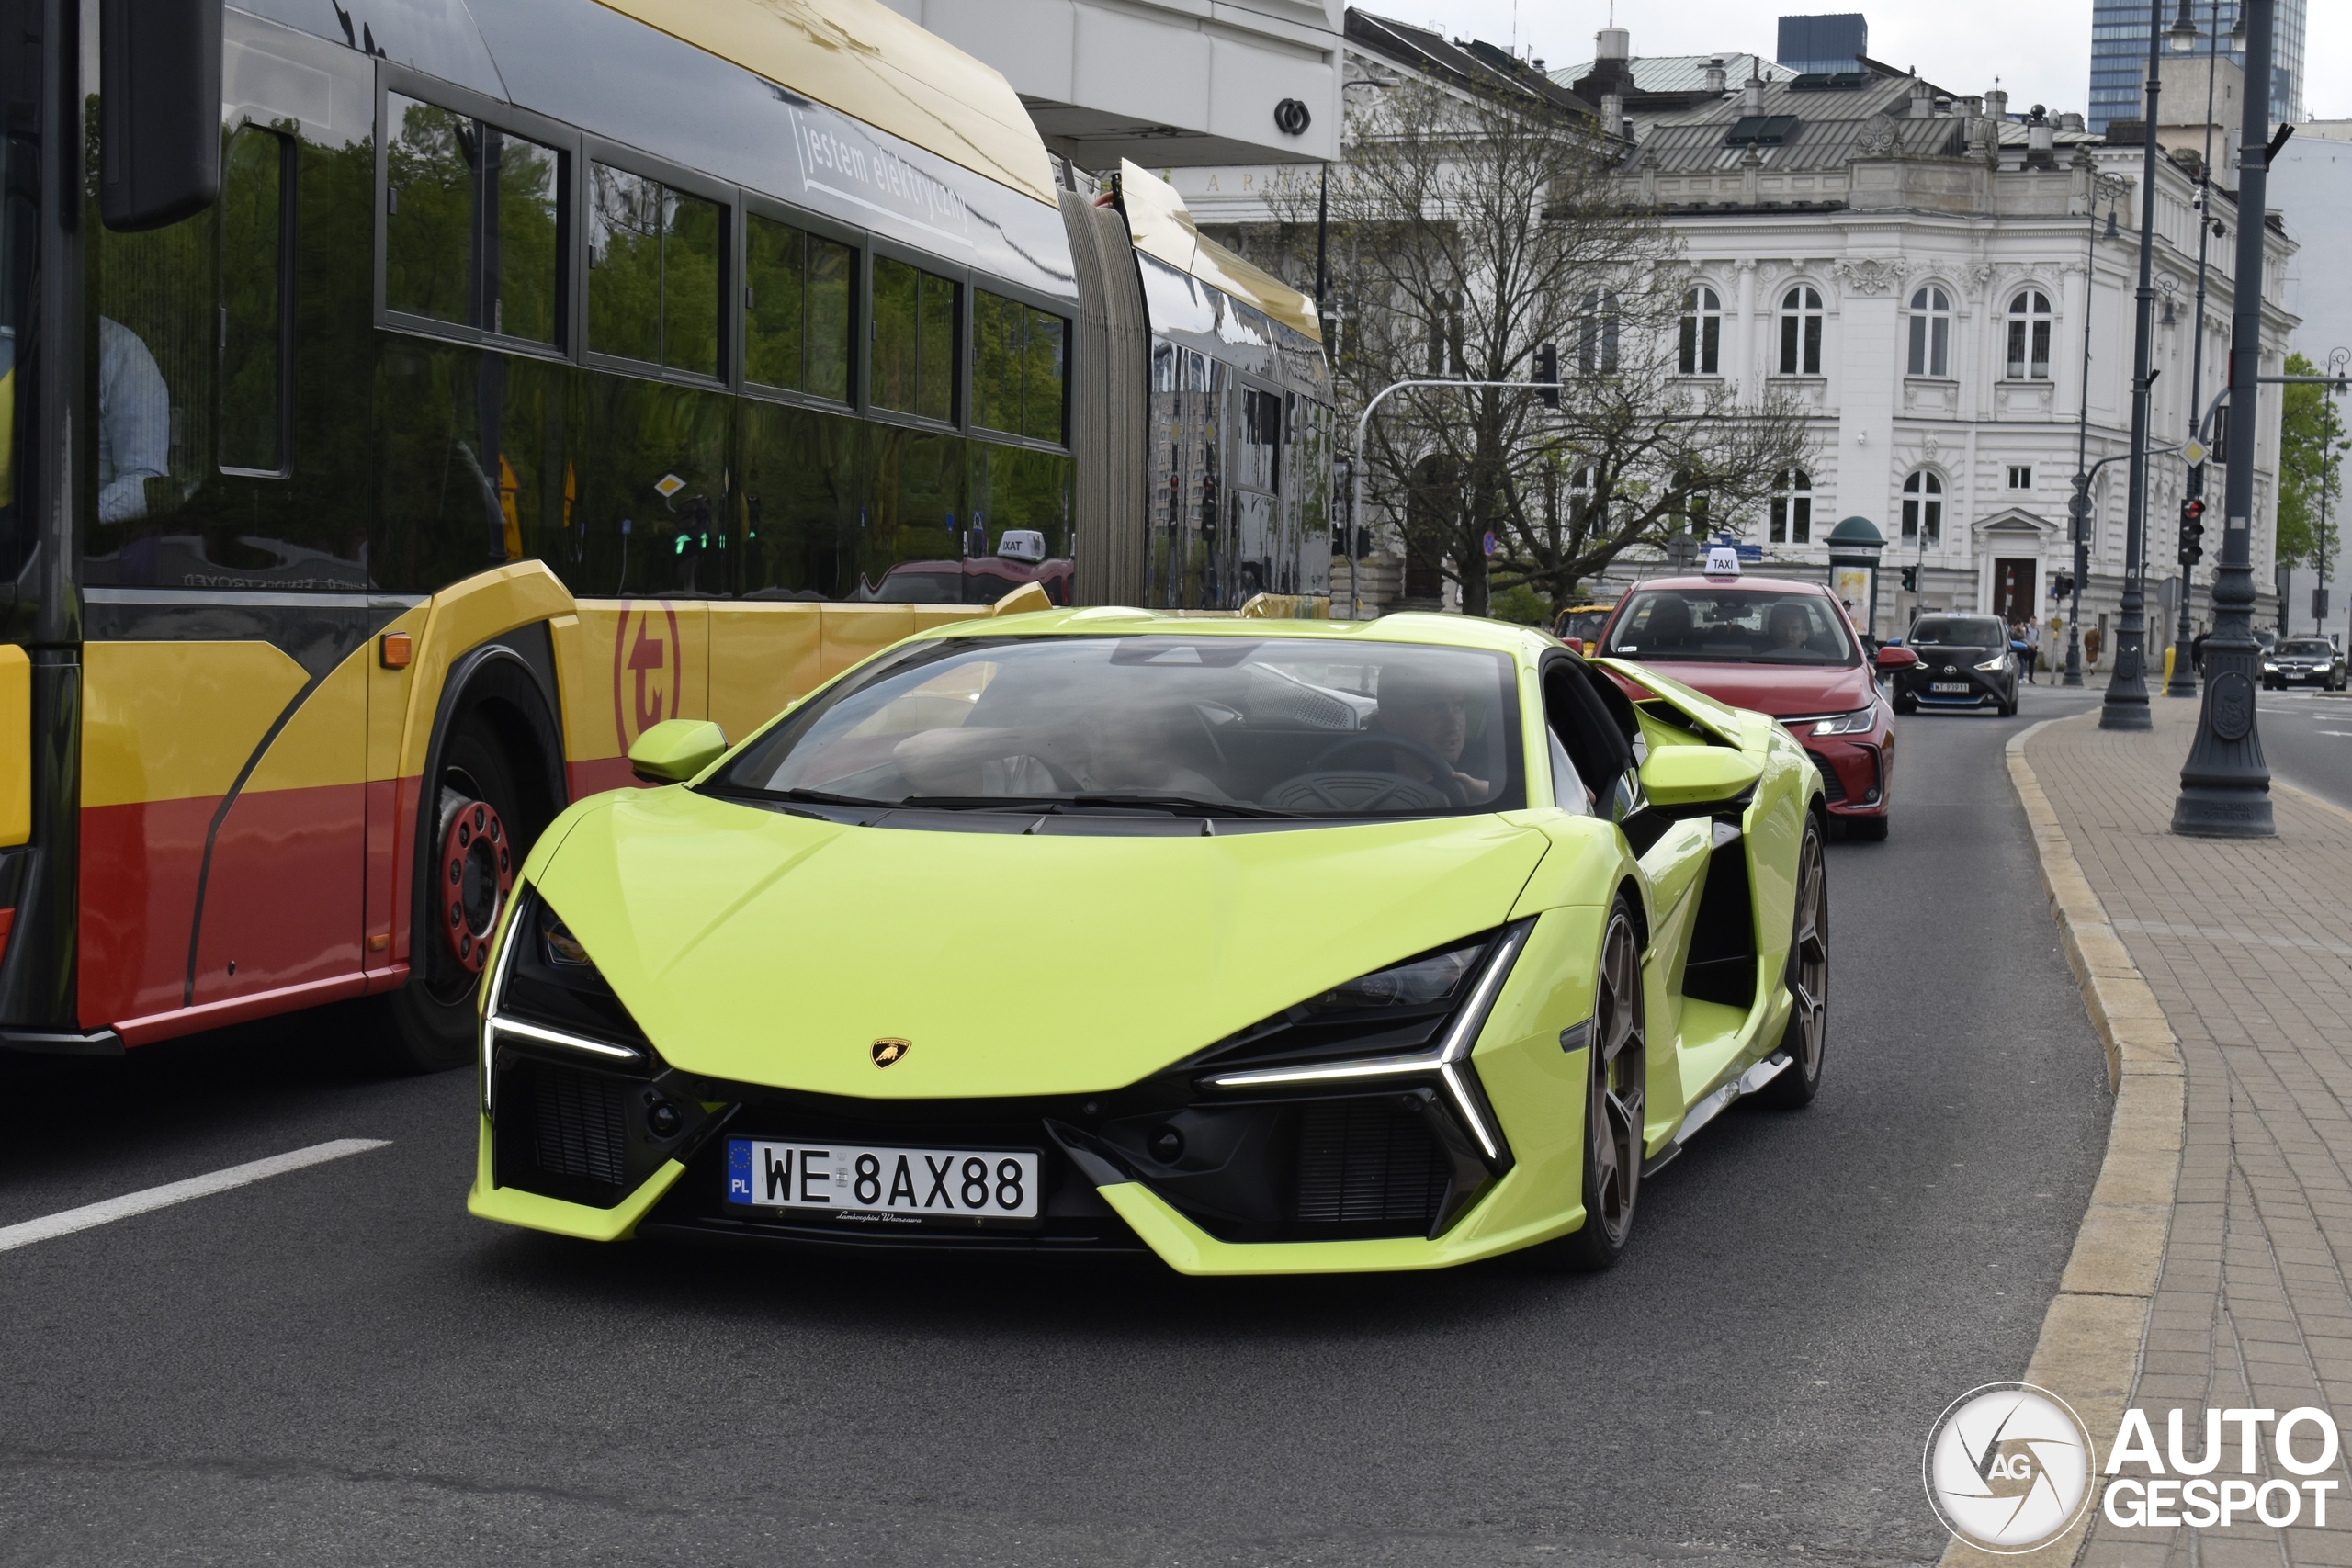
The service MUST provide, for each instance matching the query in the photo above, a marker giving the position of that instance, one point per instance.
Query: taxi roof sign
(1723, 561)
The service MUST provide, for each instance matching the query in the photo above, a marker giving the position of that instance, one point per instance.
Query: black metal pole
(1322, 236)
(2225, 785)
(2184, 676)
(2078, 509)
(2126, 707)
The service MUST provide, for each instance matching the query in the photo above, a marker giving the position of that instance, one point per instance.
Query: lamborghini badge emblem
(888, 1052)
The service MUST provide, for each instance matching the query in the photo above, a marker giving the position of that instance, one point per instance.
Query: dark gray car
(2303, 661)
(1965, 661)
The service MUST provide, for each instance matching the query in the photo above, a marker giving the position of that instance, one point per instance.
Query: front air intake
(1367, 1167)
(579, 1124)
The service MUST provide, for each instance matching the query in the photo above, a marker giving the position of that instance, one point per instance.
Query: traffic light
(1547, 374)
(2062, 584)
(1910, 579)
(2192, 531)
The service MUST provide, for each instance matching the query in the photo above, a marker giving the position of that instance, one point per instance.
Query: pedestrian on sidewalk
(2032, 646)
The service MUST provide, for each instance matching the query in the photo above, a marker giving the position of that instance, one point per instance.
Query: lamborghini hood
(766, 948)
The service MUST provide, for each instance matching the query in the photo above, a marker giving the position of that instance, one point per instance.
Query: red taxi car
(1781, 647)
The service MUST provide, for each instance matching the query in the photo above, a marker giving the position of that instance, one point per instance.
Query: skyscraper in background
(2119, 54)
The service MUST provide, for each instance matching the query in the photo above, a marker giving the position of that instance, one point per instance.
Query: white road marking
(129, 1204)
(2343, 732)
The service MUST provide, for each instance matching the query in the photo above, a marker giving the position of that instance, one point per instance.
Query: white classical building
(1931, 278)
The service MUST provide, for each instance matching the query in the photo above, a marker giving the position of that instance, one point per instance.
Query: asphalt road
(339, 1366)
(2307, 741)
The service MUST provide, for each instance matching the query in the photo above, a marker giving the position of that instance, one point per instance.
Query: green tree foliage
(2310, 471)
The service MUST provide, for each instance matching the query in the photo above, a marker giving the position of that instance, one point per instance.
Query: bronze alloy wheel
(1613, 1126)
(1807, 1034)
(1619, 1061)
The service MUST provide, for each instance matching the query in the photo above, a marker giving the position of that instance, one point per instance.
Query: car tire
(1865, 829)
(1805, 1037)
(1617, 1062)
(484, 818)
(1904, 704)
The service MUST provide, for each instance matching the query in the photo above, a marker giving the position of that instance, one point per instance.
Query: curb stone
(2089, 1350)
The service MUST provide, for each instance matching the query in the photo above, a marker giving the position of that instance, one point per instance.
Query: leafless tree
(1466, 231)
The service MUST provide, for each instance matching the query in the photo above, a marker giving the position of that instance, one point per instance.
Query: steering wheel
(1442, 772)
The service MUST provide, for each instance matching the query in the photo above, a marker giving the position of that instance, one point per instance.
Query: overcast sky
(2038, 48)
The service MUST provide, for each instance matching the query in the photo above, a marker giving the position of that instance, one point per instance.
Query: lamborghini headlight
(544, 990)
(1855, 723)
(1408, 987)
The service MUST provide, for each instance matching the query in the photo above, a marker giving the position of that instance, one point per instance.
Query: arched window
(1597, 333)
(1791, 515)
(1930, 331)
(1801, 331)
(1923, 507)
(2029, 336)
(1702, 332)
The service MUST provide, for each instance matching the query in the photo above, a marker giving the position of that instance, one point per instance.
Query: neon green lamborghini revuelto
(1265, 946)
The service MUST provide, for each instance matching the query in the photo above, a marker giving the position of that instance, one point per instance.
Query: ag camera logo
(2007, 1467)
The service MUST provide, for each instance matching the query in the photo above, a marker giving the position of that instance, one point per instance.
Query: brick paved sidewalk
(2244, 946)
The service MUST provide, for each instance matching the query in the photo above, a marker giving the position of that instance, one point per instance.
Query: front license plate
(857, 1182)
(1957, 688)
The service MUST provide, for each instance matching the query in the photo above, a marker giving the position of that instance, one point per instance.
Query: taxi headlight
(1855, 723)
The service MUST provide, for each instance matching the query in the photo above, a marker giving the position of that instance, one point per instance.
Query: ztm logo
(647, 668)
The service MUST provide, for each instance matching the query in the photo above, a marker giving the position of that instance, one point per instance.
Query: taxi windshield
(1732, 626)
(1200, 725)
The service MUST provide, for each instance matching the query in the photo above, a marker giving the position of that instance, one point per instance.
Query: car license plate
(861, 1181)
(1958, 688)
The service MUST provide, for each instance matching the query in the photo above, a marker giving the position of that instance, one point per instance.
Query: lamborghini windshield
(1206, 726)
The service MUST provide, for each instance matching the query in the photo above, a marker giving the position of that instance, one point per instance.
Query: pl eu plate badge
(739, 1171)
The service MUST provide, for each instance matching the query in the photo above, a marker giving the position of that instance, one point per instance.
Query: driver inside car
(1790, 629)
(1422, 707)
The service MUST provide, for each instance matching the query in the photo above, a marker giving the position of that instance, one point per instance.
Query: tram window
(530, 234)
(830, 269)
(653, 278)
(1254, 455)
(914, 340)
(693, 229)
(466, 200)
(775, 302)
(429, 218)
(1017, 368)
(625, 263)
(795, 323)
(252, 303)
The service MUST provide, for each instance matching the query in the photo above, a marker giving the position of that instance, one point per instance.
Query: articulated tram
(511, 378)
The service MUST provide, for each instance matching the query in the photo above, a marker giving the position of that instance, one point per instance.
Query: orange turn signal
(396, 649)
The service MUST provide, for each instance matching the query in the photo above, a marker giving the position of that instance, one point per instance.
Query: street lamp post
(2225, 785)
(2126, 707)
(2184, 37)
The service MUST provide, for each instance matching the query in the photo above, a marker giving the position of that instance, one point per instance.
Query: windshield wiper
(1182, 804)
(807, 796)
(1178, 805)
